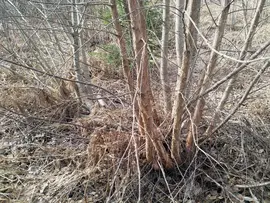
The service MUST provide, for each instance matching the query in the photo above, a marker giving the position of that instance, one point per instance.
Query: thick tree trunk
(194, 43)
(125, 4)
(181, 85)
(194, 33)
(179, 106)
(125, 61)
(76, 46)
(154, 148)
(164, 58)
(81, 72)
(123, 47)
(179, 36)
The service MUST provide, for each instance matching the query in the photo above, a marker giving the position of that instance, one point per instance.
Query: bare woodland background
(134, 101)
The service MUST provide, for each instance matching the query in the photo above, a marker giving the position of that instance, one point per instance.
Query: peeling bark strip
(155, 150)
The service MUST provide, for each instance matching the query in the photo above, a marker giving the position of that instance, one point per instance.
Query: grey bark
(193, 43)
(179, 34)
(181, 86)
(164, 58)
(81, 72)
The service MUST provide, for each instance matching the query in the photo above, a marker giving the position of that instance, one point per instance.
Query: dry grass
(92, 159)
(49, 164)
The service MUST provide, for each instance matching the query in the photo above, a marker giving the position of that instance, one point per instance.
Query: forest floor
(46, 159)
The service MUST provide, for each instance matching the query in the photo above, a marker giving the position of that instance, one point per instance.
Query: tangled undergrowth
(48, 153)
(94, 159)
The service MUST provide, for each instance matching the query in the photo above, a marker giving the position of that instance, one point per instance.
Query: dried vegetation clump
(32, 101)
(260, 109)
(26, 98)
(104, 66)
(108, 147)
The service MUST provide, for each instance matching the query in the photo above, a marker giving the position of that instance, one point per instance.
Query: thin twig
(267, 64)
(230, 75)
(253, 185)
